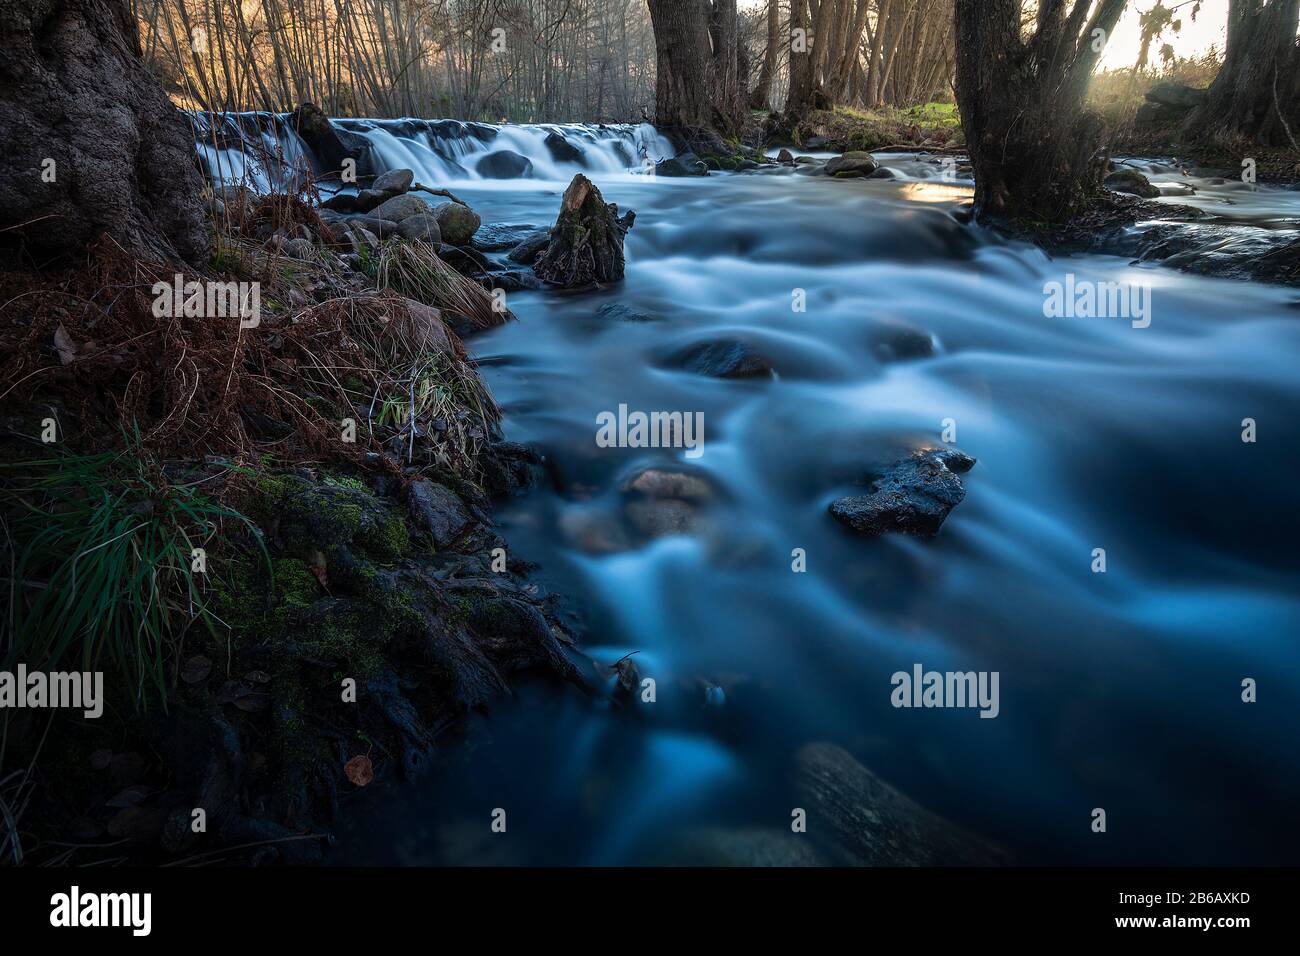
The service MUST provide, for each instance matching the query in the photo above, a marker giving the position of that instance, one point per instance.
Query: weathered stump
(586, 244)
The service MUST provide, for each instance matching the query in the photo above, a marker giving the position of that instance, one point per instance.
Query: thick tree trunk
(1034, 147)
(92, 145)
(698, 83)
(1251, 98)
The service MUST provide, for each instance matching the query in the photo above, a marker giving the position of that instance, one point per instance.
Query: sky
(1122, 50)
(1194, 38)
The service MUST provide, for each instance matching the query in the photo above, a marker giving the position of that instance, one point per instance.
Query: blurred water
(1118, 690)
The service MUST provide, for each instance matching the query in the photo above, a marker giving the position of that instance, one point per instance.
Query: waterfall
(261, 150)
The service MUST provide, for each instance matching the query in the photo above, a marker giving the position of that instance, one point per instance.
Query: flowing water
(1118, 690)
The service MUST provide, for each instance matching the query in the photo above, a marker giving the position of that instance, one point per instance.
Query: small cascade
(261, 150)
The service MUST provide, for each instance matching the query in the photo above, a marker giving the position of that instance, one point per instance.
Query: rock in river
(725, 358)
(913, 496)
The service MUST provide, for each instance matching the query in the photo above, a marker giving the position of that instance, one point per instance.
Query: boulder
(393, 181)
(1132, 182)
(504, 164)
(562, 151)
(423, 227)
(913, 496)
(458, 223)
(857, 161)
(586, 243)
(402, 207)
(724, 358)
(785, 158)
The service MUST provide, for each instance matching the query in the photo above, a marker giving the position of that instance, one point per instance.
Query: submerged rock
(724, 358)
(617, 311)
(898, 342)
(586, 243)
(866, 822)
(913, 496)
(526, 252)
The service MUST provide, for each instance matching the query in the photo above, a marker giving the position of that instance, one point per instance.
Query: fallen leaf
(359, 770)
(63, 345)
(316, 565)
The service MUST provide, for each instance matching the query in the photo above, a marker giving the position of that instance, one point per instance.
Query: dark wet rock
(341, 202)
(562, 151)
(504, 164)
(423, 226)
(686, 164)
(1132, 182)
(586, 243)
(857, 161)
(618, 312)
(513, 280)
(883, 172)
(499, 237)
(724, 358)
(457, 222)
(509, 467)
(530, 248)
(330, 145)
(913, 496)
(785, 158)
(806, 160)
(466, 260)
(898, 342)
(863, 821)
(438, 511)
(394, 181)
(402, 207)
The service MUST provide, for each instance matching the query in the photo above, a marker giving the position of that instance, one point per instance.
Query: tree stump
(586, 244)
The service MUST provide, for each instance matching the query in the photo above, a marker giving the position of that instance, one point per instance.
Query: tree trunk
(697, 84)
(760, 96)
(92, 145)
(1256, 80)
(1033, 146)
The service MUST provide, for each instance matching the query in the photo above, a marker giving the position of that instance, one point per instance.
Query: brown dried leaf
(196, 669)
(359, 770)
